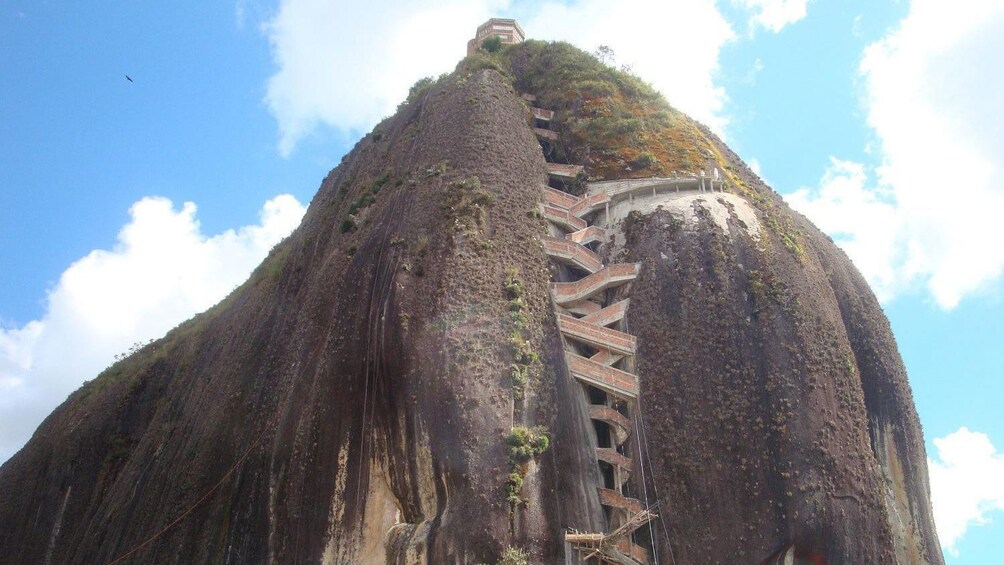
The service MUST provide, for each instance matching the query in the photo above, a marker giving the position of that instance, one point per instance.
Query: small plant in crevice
(437, 169)
(378, 182)
(466, 204)
(524, 356)
(419, 89)
(520, 377)
(791, 238)
(524, 445)
(514, 556)
(351, 221)
(514, 487)
(135, 347)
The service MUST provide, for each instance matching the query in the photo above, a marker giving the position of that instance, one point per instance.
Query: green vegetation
(437, 169)
(134, 348)
(524, 354)
(378, 183)
(849, 366)
(466, 205)
(420, 88)
(514, 487)
(519, 375)
(790, 237)
(526, 444)
(607, 118)
(514, 556)
(418, 250)
(363, 201)
(276, 261)
(481, 60)
(492, 44)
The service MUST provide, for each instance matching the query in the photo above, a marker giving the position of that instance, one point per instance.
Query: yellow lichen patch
(627, 137)
(608, 120)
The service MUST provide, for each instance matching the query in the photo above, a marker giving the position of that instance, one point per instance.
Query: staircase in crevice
(590, 301)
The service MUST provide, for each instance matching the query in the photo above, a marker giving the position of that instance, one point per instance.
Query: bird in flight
(129, 79)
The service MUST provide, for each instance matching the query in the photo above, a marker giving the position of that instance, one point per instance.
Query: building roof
(509, 21)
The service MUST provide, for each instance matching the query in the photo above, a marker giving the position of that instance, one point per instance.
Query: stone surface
(351, 402)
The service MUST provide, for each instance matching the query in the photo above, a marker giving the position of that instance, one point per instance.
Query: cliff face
(776, 407)
(356, 400)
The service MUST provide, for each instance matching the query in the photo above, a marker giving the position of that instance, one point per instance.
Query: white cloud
(932, 99)
(161, 272)
(774, 14)
(240, 9)
(346, 66)
(859, 218)
(651, 37)
(966, 485)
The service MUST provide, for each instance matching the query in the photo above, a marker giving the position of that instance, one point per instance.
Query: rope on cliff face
(644, 488)
(655, 487)
(198, 502)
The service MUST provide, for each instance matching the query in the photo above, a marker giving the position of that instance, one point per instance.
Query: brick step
(636, 552)
(609, 277)
(605, 357)
(614, 499)
(609, 315)
(542, 114)
(583, 308)
(565, 251)
(546, 133)
(564, 171)
(562, 218)
(588, 235)
(560, 199)
(618, 422)
(599, 337)
(614, 381)
(616, 459)
(589, 204)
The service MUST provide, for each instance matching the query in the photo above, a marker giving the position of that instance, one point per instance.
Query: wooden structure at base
(615, 547)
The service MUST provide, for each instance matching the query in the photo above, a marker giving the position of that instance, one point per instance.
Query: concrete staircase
(590, 306)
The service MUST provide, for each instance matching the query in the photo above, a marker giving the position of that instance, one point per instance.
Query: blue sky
(125, 207)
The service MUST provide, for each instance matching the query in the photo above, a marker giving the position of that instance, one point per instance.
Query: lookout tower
(506, 29)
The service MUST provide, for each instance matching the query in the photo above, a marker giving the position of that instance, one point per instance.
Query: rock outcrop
(378, 390)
